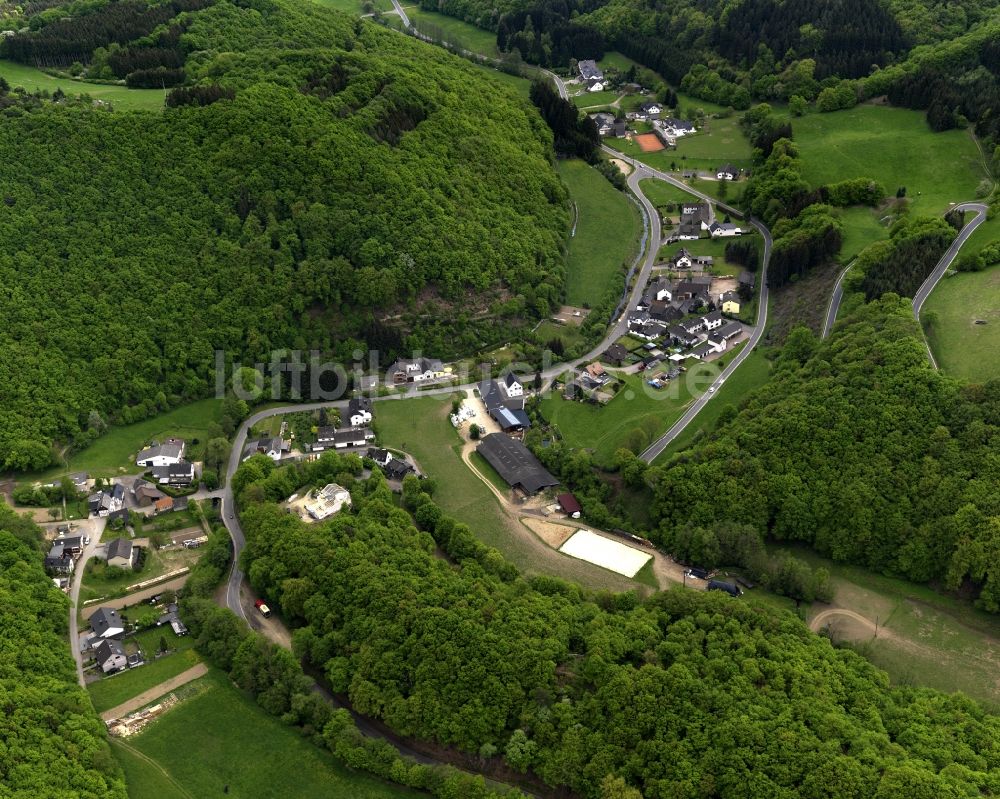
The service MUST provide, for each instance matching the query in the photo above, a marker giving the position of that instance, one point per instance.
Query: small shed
(569, 505)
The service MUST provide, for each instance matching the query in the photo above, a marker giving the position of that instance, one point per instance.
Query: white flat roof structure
(605, 553)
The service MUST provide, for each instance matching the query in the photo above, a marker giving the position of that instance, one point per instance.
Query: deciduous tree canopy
(358, 182)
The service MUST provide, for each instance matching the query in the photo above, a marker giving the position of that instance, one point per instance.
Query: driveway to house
(136, 598)
(154, 693)
(94, 528)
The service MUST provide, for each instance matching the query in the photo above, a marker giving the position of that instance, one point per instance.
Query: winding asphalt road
(932, 279)
(641, 172)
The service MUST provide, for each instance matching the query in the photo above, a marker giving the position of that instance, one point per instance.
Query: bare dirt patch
(570, 315)
(624, 168)
(552, 533)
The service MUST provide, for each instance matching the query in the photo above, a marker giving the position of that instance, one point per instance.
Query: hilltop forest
(858, 448)
(51, 740)
(317, 183)
(683, 694)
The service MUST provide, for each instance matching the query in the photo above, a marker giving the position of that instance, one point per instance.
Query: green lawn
(113, 453)
(895, 147)
(636, 407)
(142, 779)
(594, 100)
(752, 374)
(220, 737)
(454, 31)
(719, 142)
(96, 585)
(962, 348)
(548, 330)
(704, 160)
(353, 7)
(706, 246)
(615, 60)
(607, 233)
(521, 86)
(420, 426)
(661, 193)
(861, 228)
(111, 691)
(120, 97)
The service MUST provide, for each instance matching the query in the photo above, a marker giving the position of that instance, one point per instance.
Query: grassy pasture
(121, 97)
(420, 426)
(455, 31)
(962, 348)
(607, 233)
(114, 451)
(893, 146)
(220, 737)
(606, 429)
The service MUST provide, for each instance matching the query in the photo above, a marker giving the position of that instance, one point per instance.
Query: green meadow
(120, 97)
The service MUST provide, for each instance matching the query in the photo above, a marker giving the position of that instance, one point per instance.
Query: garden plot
(606, 553)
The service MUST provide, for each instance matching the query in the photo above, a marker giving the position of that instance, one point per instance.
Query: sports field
(965, 333)
(605, 553)
(607, 233)
(649, 142)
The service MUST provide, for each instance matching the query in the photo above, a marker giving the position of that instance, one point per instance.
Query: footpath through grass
(963, 348)
(608, 230)
(110, 692)
(120, 97)
(219, 737)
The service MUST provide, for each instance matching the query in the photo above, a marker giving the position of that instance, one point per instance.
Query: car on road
(265, 611)
(711, 389)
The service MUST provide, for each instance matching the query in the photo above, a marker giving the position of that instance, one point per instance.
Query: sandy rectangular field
(649, 142)
(605, 553)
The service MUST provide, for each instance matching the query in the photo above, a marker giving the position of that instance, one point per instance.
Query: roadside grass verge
(894, 146)
(120, 97)
(221, 740)
(110, 692)
(962, 348)
(753, 373)
(607, 233)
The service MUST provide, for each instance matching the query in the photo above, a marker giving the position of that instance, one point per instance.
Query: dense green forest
(859, 448)
(683, 694)
(52, 744)
(325, 183)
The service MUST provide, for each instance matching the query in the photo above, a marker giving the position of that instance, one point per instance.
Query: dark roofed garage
(515, 463)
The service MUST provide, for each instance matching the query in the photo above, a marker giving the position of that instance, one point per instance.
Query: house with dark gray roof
(59, 561)
(175, 474)
(110, 656)
(515, 463)
(106, 623)
(589, 70)
(121, 553)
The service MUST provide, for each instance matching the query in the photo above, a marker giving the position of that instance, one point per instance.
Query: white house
(121, 553)
(512, 387)
(359, 411)
(596, 85)
(724, 230)
(272, 447)
(416, 370)
(110, 656)
(106, 623)
(175, 474)
(165, 454)
(328, 501)
(716, 343)
(712, 320)
(727, 172)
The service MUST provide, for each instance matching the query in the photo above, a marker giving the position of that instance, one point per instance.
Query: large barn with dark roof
(515, 463)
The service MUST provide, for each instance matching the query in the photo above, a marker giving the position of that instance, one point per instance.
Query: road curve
(950, 254)
(835, 298)
(641, 172)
